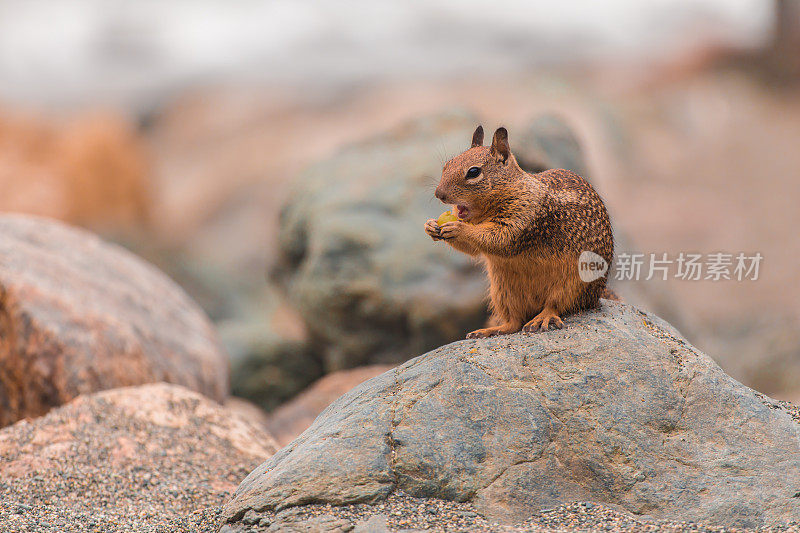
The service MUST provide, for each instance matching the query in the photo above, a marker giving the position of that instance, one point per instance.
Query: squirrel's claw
(543, 322)
(480, 333)
(433, 229)
(451, 230)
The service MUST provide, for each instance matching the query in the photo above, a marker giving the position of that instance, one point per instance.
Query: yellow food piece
(447, 216)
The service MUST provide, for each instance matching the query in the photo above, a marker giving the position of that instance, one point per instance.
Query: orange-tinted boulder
(78, 315)
(92, 170)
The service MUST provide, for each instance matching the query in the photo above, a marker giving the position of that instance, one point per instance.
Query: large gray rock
(616, 408)
(370, 284)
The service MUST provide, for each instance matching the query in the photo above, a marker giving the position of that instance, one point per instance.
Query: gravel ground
(404, 513)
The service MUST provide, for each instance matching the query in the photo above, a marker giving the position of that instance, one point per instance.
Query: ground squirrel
(529, 229)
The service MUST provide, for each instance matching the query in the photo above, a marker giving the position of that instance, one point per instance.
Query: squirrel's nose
(440, 194)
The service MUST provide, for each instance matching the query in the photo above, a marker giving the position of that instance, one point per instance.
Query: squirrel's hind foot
(543, 322)
(481, 333)
(502, 329)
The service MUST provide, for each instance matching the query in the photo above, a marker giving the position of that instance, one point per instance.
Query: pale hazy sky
(132, 50)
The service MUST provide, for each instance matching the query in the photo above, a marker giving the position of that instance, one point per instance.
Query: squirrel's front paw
(433, 229)
(453, 230)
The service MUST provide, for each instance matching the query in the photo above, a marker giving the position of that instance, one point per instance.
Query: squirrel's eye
(474, 172)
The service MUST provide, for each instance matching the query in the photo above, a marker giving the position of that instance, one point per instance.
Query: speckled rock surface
(617, 408)
(354, 259)
(156, 457)
(78, 315)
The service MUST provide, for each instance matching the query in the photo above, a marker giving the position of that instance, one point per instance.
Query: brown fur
(529, 229)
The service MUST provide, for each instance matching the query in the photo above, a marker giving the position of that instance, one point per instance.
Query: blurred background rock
(277, 158)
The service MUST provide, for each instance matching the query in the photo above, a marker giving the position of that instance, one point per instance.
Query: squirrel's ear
(500, 147)
(477, 137)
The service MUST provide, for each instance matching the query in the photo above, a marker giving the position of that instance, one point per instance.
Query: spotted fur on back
(529, 229)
